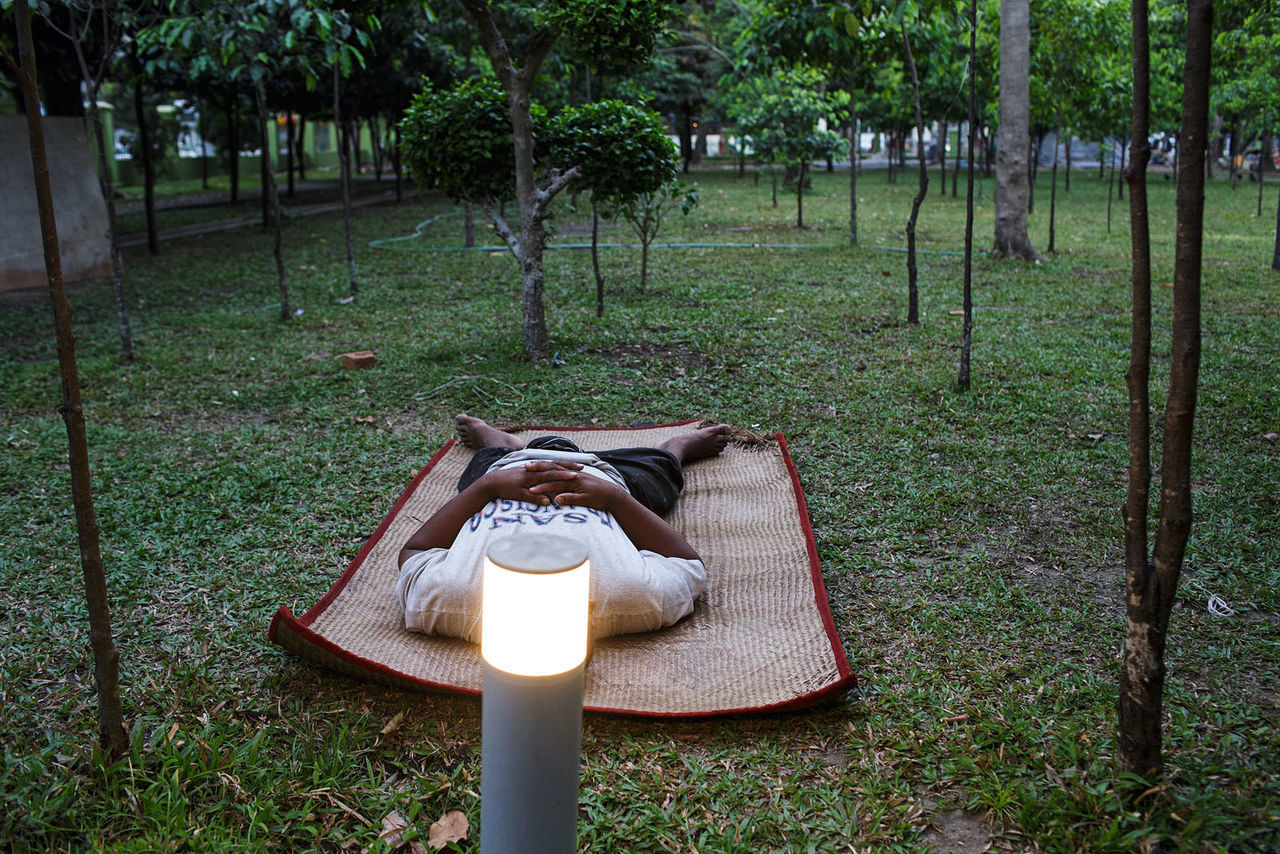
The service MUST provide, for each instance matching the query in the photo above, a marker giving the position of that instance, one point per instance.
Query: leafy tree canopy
(460, 140)
(785, 124)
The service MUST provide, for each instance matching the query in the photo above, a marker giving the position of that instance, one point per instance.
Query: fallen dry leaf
(393, 724)
(393, 824)
(451, 827)
(368, 419)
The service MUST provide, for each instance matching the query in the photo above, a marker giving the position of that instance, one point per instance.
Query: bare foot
(699, 444)
(477, 433)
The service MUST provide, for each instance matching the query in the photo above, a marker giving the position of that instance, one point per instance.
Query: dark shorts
(653, 476)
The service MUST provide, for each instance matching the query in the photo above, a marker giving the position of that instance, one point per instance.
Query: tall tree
(106, 658)
(1151, 587)
(1013, 134)
(838, 36)
(96, 30)
(913, 290)
(635, 23)
(963, 378)
(785, 124)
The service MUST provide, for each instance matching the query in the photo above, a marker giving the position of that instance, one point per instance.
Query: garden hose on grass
(390, 243)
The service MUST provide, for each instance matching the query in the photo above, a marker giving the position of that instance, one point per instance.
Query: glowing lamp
(533, 638)
(534, 612)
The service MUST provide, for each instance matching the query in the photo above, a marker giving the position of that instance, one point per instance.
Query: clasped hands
(545, 482)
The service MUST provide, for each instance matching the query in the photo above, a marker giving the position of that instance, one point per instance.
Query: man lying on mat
(644, 575)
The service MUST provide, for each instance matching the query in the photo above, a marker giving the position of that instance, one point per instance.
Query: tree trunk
(1124, 170)
(289, 147)
(345, 168)
(204, 156)
(272, 198)
(942, 157)
(395, 162)
(302, 147)
(529, 243)
(1275, 253)
(1111, 183)
(1152, 588)
(595, 256)
(1011, 238)
(1136, 713)
(645, 239)
(804, 168)
(1053, 183)
(893, 140)
(963, 378)
(1232, 175)
(686, 138)
(352, 127)
(1033, 167)
(855, 146)
(913, 297)
(375, 140)
(773, 175)
(468, 224)
(955, 173)
(113, 233)
(233, 148)
(148, 164)
(1260, 183)
(265, 172)
(1215, 145)
(112, 734)
(532, 231)
(1066, 178)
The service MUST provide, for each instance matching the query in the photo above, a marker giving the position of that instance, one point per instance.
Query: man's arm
(533, 482)
(646, 529)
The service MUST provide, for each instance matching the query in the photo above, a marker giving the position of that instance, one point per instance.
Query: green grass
(971, 543)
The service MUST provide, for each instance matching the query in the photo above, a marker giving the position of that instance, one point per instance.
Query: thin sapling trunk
(595, 256)
(913, 295)
(148, 162)
(966, 336)
(112, 734)
(345, 168)
(854, 146)
(1053, 184)
(272, 197)
(1152, 587)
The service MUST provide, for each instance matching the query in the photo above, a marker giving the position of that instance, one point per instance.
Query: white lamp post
(534, 644)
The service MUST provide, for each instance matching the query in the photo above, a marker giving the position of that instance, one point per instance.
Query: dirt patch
(958, 832)
(644, 354)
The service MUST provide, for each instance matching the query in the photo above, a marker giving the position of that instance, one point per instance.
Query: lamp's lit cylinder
(534, 643)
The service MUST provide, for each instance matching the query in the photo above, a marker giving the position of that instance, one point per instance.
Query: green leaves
(785, 125)
(460, 140)
(611, 35)
(620, 150)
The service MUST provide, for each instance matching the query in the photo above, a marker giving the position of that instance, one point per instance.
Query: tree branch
(502, 228)
(10, 61)
(539, 46)
(555, 182)
(494, 44)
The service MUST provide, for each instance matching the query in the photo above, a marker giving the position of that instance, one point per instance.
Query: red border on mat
(286, 621)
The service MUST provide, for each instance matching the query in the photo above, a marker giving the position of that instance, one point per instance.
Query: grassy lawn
(971, 543)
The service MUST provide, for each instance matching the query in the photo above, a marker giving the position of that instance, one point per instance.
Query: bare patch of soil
(958, 832)
(644, 354)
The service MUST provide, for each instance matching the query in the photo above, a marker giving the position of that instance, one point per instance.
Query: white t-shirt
(632, 590)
